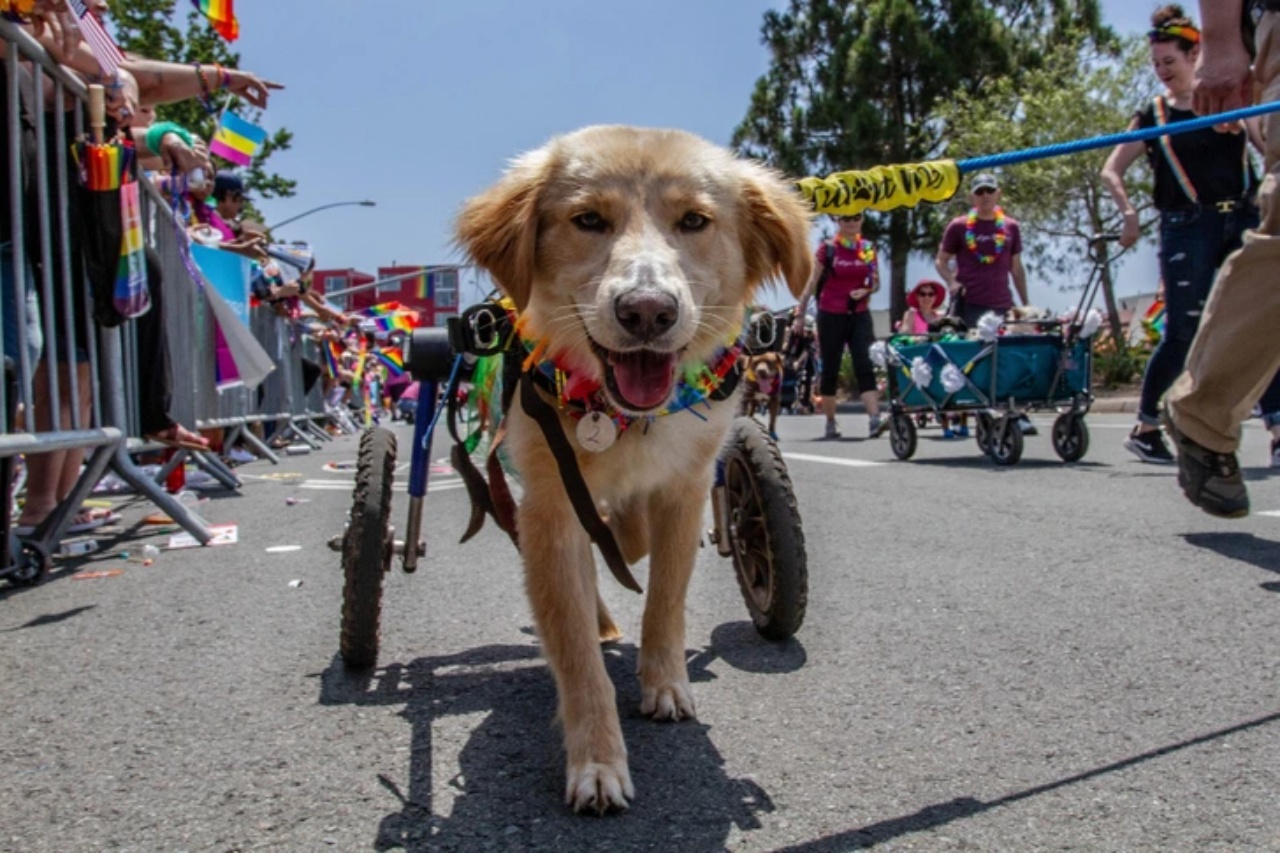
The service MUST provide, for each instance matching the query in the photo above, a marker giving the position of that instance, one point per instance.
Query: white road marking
(1271, 513)
(321, 485)
(832, 460)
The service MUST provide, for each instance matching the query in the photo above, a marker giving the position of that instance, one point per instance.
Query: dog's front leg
(561, 576)
(676, 517)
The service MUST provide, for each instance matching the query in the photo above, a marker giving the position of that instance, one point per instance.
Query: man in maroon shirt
(985, 247)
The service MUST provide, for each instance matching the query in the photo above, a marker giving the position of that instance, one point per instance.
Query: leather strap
(548, 419)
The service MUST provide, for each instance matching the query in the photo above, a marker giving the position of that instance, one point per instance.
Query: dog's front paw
(599, 786)
(670, 701)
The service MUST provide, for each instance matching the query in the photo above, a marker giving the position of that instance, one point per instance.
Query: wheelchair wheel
(764, 532)
(1005, 441)
(366, 549)
(1070, 437)
(902, 436)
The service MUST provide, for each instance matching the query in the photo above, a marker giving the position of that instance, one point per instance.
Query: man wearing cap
(985, 247)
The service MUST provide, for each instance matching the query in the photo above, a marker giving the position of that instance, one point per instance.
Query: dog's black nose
(646, 313)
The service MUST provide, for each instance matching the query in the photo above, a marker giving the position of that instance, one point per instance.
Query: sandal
(83, 522)
(178, 436)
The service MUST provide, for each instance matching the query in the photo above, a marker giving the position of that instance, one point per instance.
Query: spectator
(845, 275)
(924, 307)
(1204, 184)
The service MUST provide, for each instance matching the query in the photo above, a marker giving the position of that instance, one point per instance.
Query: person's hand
(1130, 231)
(181, 157)
(250, 87)
(122, 97)
(1224, 78)
(860, 293)
(954, 288)
(55, 27)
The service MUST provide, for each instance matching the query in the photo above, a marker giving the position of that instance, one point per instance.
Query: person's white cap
(984, 180)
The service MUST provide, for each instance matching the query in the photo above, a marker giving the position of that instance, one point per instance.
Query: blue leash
(1009, 158)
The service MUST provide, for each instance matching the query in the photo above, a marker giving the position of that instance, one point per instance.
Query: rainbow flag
(392, 358)
(221, 15)
(382, 310)
(237, 140)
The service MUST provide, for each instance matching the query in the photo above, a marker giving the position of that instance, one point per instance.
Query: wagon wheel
(1005, 442)
(984, 427)
(902, 436)
(32, 566)
(1070, 437)
(366, 548)
(765, 533)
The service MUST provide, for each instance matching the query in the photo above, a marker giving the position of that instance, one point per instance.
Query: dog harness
(524, 369)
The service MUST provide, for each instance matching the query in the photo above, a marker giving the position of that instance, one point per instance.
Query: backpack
(828, 261)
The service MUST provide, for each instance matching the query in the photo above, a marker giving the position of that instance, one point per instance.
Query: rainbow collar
(578, 396)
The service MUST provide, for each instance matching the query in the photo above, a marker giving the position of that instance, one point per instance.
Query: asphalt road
(1043, 657)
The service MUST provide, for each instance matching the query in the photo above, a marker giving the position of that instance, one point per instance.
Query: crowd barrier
(53, 340)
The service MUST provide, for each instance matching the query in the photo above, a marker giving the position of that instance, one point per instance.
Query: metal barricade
(66, 394)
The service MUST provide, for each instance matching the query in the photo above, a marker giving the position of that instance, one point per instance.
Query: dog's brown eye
(692, 221)
(590, 221)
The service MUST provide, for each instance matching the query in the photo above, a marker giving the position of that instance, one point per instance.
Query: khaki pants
(1237, 350)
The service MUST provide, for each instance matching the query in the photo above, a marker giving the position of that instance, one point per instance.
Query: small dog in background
(1026, 320)
(762, 382)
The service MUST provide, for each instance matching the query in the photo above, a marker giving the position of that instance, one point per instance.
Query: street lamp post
(365, 203)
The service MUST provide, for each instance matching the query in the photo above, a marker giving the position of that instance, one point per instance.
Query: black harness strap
(548, 420)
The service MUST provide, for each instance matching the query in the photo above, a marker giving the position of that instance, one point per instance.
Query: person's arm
(1019, 273)
(1122, 157)
(942, 263)
(803, 306)
(161, 82)
(1224, 76)
(908, 321)
(1254, 128)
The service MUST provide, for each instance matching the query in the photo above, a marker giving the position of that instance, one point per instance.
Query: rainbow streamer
(423, 290)
(221, 15)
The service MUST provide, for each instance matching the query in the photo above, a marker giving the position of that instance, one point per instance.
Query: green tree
(856, 83)
(1061, 201)
(148, 28)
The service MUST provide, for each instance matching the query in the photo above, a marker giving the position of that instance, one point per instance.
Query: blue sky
(417, 104)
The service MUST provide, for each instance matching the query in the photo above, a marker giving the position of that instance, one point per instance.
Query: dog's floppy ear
(775, 229)
(498, 229)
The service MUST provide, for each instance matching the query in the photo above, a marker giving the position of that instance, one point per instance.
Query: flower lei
(971, 239)
(865, 249)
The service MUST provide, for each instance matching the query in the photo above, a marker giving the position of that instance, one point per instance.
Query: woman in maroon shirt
(845, 274)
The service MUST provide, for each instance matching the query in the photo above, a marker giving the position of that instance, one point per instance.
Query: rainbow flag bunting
(221, 15)
(236, 140)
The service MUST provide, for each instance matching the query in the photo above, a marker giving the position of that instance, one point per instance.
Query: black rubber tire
(366, 549)
(983, 427)
(765, 532)
(1070, 437)
(1006, 450)
(33, 566)
(902, 436)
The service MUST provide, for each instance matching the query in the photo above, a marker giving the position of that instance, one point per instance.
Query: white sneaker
(240, 456)
(833, 430)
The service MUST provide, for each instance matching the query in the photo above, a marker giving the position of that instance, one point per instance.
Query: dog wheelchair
(755, 520)
(1000, 377)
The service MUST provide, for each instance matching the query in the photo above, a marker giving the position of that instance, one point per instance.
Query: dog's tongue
(643, 378)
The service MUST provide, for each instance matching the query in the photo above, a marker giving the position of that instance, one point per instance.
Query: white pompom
(1092, 321)
(989, 326)
(921, 372)
(878, 351)
(952, 378)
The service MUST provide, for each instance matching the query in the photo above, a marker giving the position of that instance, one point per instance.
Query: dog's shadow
(509, 790)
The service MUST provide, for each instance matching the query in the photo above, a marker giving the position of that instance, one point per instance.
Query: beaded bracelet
(206, 98)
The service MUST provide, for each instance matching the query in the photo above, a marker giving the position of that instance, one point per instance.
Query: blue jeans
(9, 310)
(1193, 244)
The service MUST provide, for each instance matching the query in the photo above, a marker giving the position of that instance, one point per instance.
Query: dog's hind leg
(561, 578)
(609, 630)
(676, 519)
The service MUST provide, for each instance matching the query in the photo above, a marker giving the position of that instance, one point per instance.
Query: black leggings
(858, 333)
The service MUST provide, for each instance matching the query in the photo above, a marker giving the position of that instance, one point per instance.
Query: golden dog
(630, 255)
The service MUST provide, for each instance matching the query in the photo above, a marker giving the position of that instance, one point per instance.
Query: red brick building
(431, 290)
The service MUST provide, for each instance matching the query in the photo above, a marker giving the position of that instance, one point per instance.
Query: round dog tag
(596, 432)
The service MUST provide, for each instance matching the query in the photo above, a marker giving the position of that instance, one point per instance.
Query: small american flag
(104, 49)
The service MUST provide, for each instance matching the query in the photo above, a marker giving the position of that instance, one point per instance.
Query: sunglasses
(984, 191)
(927, 294)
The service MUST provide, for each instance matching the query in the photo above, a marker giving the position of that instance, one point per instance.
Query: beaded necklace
(971, 239)
(864, 248)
